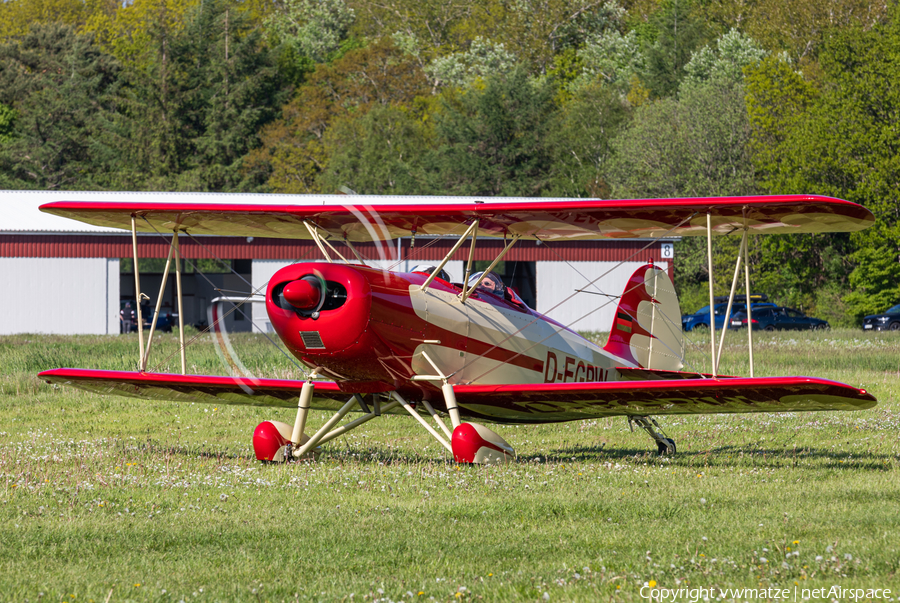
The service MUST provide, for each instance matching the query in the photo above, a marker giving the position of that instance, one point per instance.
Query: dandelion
(796, 542)
(546, 596)
(652, 583)
(702, 501)
(421, 592)
(763, 560)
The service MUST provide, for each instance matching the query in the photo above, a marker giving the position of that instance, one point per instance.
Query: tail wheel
(664, 449)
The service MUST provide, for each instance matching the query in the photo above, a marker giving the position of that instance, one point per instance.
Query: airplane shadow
(722, 456)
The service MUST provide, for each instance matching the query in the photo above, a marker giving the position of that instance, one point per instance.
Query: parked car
(778, 318)
(700, 318)
(889, 320)
(128, 311)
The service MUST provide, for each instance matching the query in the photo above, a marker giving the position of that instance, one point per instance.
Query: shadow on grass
(722, 456)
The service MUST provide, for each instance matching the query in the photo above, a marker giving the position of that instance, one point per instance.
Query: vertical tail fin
(647, 326)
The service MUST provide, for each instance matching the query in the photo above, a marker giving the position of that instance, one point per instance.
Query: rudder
(647, 327)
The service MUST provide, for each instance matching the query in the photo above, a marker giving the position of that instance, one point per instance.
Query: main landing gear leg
(664, 445)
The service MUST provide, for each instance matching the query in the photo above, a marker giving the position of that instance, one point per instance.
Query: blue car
(779, 318)
(889, 320)
(700, 318)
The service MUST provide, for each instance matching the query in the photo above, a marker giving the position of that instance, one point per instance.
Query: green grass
(157, 501)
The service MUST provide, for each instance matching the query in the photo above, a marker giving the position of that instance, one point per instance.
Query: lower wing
(521, 403)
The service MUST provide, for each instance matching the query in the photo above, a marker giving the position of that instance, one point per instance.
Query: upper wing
(535, 403)
(361, 218)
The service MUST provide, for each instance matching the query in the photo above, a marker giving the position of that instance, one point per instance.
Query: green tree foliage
(7, 123)
(482, 59)
(493, 141)
(679, 32)
(695, 145)
(213, 88)
(841, 142)
(613, 58)
(733, 54)
(580, 140)
(874, 284)
(311, 28)
(17, 16)
(797, 27)
(377, 153)
(64, 91)
(293, 147)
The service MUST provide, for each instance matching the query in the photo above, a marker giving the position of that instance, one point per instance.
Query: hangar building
(67, 277)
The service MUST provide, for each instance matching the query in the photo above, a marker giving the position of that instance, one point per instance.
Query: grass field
(114, 499)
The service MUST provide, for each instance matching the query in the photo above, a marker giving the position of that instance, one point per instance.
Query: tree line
(574, 98)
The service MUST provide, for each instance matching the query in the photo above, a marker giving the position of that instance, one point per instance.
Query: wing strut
(712, 299)
(154, 318)
(473, 230)
(180, 304)
(734, 281)
(137, 293)
(747, 297)
(467, 292)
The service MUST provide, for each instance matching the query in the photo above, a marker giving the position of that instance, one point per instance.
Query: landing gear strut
(664, 445)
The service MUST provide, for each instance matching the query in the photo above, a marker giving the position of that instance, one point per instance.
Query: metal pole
(180, 304)
(712, 300)
(137, 292)
(749, 305)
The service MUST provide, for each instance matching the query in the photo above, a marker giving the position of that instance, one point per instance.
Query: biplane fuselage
(372, 335)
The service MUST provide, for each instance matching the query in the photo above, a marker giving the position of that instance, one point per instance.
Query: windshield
(894, 310)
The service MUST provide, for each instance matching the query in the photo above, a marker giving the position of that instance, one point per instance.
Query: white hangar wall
(557, 298)
(65, 296)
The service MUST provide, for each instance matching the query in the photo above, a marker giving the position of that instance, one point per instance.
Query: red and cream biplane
(378, 341)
